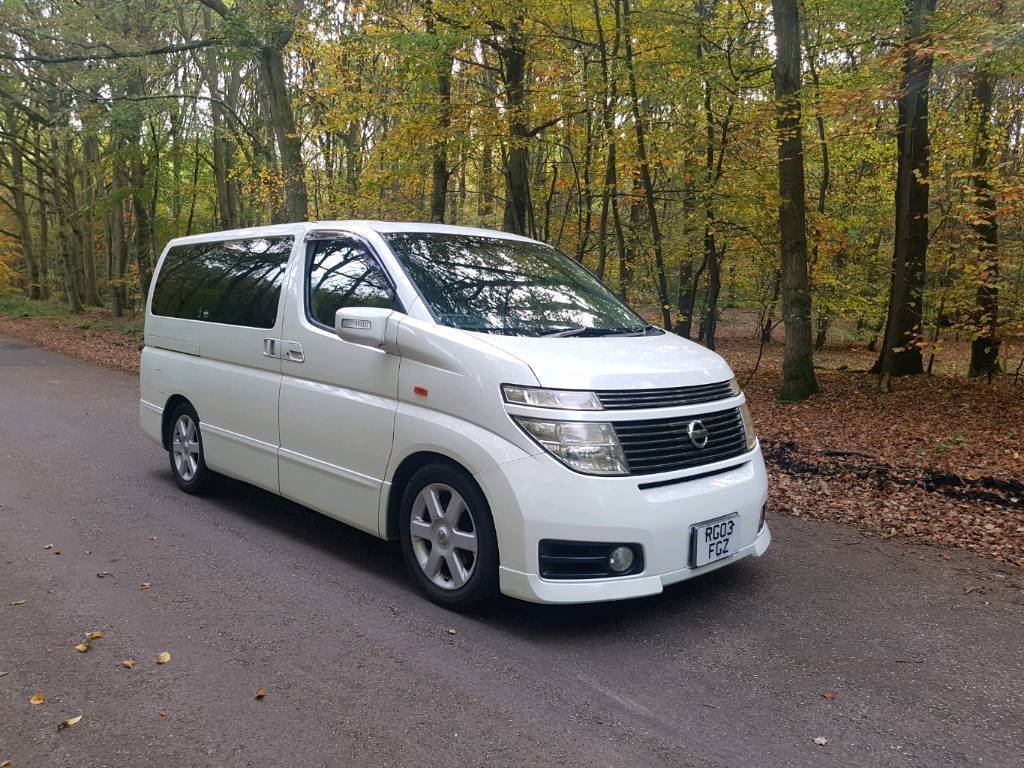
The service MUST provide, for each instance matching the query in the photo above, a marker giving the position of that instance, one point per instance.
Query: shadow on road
(383, 560)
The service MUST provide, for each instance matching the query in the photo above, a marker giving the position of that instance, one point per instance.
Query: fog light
(621, 559)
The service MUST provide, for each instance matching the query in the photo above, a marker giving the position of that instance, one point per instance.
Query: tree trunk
(289, 143)
(645, 173)
(609, 190)
(710, 323)
(17, 165)
(769, 315)
(440, 172)
(90, 194)
(223, 149)
(985, 346)
(44, 218)
(798, 380)
(61, 174)
(901, 354)
(118, 246)
(517, 217)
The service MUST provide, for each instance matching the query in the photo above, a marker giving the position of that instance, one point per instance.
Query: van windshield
(511, 287)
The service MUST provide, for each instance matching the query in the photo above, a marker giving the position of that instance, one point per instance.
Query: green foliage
(364, 80)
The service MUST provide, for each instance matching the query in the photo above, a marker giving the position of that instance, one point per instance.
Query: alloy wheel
(444, 536)
(185, 447)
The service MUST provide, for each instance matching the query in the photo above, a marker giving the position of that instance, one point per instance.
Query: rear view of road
(918, 652)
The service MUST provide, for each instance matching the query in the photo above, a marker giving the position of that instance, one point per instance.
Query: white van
(478, 396)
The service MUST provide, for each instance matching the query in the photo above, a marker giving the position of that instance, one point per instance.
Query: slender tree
(901, 350)
(798, 380)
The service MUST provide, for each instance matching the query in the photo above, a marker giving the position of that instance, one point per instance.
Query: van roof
(358, 226)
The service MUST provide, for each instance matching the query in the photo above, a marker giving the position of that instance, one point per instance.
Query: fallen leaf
(95, 635)
(830, 695)
(6, 764)
(260, 693)
(104, 574)
(48, 546)
(821, 741)
(452, 632)
(56, 551)
(163, 657)
(37, 698)
(69, 722)
(128, 663)
(146, 585)
(972, 588)
(19, 602)
(82, 647)
(163, 712)
(152, 538)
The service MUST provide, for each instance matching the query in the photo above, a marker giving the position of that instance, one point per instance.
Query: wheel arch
(165, 426)
(409, 466)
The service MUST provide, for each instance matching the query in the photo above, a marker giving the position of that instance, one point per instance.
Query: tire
(188, 463)
(454, 563)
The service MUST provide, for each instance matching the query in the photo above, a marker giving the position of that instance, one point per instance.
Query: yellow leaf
(7, 764)
(69, 722)
(82, 647)
(94, 635)
(128, 663)
(163, 657)
(37, 698)
(19, 602)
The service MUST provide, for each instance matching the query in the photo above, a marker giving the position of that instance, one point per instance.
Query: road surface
(247, 591)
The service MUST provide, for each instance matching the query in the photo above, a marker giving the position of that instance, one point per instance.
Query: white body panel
(332, 430)
(337, 419)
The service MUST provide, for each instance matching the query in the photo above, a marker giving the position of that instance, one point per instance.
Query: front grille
(666, 397)
(663, 445)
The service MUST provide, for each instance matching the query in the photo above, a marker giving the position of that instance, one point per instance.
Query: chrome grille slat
(662, 445)
(663, 397)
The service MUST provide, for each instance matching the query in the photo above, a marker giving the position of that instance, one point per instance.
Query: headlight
(734, 387)
(586, 446)
(567, 399)
(748, 427)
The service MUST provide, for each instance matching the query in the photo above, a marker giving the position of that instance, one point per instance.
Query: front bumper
(536, 498)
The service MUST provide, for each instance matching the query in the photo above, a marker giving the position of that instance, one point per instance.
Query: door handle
(293, 352)
(270, 348)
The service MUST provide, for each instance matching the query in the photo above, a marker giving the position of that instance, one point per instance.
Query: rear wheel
(448, 538)
(186, 451)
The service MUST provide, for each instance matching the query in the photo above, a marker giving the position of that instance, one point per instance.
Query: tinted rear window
(236, 282)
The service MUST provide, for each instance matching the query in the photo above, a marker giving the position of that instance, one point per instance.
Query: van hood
(615, 362)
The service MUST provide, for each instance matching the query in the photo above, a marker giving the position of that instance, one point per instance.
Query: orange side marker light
(421, 391)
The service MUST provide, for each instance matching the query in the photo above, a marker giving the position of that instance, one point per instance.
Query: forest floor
(938, 461)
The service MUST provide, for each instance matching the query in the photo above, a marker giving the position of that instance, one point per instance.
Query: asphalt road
(248, 591)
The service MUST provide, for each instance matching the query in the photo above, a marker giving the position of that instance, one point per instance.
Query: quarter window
(236, 282)
(343, 273)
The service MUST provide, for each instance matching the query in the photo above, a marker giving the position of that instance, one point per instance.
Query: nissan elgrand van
(477, 396)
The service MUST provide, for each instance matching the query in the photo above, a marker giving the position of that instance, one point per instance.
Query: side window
(236, 282)
(343, 273)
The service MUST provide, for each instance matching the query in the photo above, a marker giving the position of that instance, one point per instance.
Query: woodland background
(656, 141)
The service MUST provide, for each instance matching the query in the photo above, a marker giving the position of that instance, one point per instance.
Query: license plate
(714, 540)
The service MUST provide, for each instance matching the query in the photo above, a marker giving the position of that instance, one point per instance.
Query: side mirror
(365, 326)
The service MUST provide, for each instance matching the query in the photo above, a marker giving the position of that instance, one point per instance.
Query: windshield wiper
(567, 332)
(645, 331)
(586, 331)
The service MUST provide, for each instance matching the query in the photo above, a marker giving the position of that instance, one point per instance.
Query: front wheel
(185, 448)
(448, 538)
